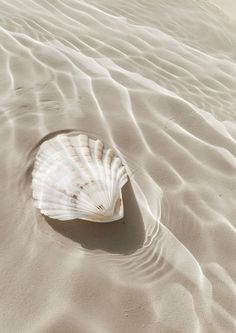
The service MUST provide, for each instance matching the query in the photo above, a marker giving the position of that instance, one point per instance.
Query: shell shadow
(119, 237)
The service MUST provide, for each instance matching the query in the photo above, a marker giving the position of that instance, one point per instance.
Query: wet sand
(156, 81)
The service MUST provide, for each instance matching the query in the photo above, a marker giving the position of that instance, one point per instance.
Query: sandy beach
(156, 81)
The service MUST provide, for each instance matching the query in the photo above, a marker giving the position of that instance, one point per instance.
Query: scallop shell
(75, 177)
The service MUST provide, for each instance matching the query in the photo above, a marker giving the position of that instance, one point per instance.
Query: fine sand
(155, 80)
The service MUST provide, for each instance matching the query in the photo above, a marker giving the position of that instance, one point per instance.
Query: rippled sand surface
(156, 80)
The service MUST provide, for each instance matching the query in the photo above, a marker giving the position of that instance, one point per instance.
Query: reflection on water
(155, 80)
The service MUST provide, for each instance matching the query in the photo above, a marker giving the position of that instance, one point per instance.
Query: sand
(155, 80)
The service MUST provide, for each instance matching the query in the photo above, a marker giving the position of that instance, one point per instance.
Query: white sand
(157, 81)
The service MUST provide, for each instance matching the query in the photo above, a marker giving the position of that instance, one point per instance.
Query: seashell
(75, 177)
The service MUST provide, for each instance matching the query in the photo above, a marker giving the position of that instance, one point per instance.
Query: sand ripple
(156, 81)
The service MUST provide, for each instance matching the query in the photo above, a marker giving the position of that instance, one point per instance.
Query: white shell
(74, 177)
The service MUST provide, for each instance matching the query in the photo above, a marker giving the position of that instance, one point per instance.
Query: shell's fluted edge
(75, 177)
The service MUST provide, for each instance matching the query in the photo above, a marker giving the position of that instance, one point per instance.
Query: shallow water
(156, 80)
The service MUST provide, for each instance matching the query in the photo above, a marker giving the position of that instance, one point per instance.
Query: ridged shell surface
(75, 177)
